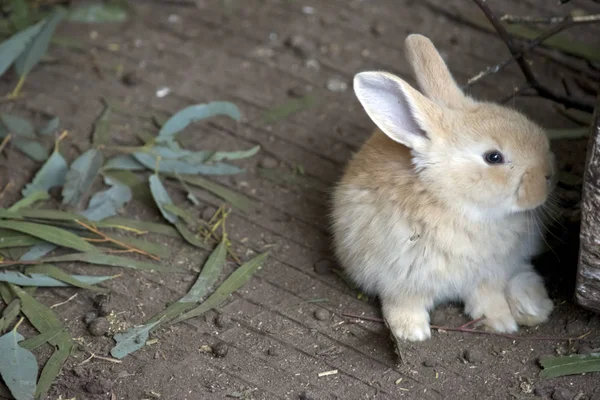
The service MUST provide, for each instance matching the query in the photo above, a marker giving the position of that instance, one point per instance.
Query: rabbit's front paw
(504, 323)
(528, 299)
(405, 323)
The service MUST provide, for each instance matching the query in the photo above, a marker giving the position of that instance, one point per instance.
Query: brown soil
(243, 52)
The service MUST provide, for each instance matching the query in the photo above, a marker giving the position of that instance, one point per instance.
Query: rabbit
(443, 202)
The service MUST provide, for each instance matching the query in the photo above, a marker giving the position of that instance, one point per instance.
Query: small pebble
(163, 92)
(131, 78)
(321, 314)
(323, 267)
(102, 304)
(99, 326)
(473, 356)
(98, 386)
(222, 321)
(268, 162)
(208, 213)
(89, 317)
(562, 394)
(297, 91)
(429, 363)
(306, 395)
(273, 352)
(377, 29)
(336, 85)
(301, 46)
(220, 349)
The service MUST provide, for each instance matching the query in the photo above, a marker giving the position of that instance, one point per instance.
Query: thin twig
(5, 142)
(465, 329)
(63, 302)
(579, 19)
(92, 356)
(518, 56)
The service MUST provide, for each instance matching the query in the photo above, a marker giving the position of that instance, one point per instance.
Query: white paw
(413, 328)
(528, 300)
(501, 323)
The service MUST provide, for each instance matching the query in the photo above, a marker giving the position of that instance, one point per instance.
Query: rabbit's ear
(433, 76)
(400, 111)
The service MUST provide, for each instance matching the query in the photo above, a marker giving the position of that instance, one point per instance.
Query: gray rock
(321, 314)
(99, 326)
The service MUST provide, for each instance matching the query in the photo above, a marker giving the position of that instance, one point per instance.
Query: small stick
(5, 142)
(64, 302)
(579, 19)
(92, 356)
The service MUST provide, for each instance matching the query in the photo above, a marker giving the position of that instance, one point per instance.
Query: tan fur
(420, 218)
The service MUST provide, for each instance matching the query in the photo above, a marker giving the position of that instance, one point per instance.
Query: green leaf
(32, 149)
(9, 314)
(53, 366)
(123, 162)
(180, 213)
(147, 246)
(37, 47)
(48, 280)
(161, 196)
(98, 12)
(109, 260)
(50, 127)
(83, 282)
(51, 174)
(235, 281)
(19, 367)
(29, 200)
(101, 135)
(235, 199)
(52, 215)
(568, 134)
(139, 188)
(38, 340)
(130, 341)
(233, 155)
(38, 251)
(18, 126)
(140, 226)
(10, 239)
(172, 166)
(81, 176)
(189, 236)
(183, 118)
(570, 365)
(50, 234)
(289, 108)
(106, 204)
(15, 45)
(209, 275)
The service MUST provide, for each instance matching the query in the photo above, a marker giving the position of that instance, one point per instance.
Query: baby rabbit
(443, 202)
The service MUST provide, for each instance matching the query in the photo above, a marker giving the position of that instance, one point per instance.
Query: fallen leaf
(50, 234)
(130, 341)
(109, 260)
(19, 367)
(81, 175)
(51, 174)
(570, 365)
(50, 127)
(38, 340)
(107, 203)
(53, 272)
(101, 135)
(13, 47)
(29, 200)
(45, 280)
(18, 126)
(183, 118)
(161, 197)
(177, 166)
(9, 314)
(123, 162)
(235, 199)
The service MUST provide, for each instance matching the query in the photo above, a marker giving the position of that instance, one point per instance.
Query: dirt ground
(260, 54)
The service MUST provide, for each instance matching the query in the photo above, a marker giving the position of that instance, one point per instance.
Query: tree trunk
(587, 292)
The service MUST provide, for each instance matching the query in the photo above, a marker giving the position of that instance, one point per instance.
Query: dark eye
(493, 157)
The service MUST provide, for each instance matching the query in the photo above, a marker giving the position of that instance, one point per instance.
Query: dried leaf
(131, 340)
(50, 127)
(235, 199)
(18, 126)
(109, 260)
(161, 197)
(106, 204)
(50, 234)
(29, 200)
(19, 367)
(570, 365)
(81, 176)
(46, 280)
(9, 314)
(37, 47)
(51, 174)
(235, 281)
(16, 44)
(183, 118)
(98, 12)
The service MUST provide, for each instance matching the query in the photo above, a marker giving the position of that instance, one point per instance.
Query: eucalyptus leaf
(81, 176)
(172, 166)
(161, 197)
(101, 135)
(37, 47)
(16, 44)
(109, 260)
(106, 204)
(50, 127)
(139, 188)
(189, 236)
(128, 224)
(50, 234)
(235, 199)
(54, 365)
(32, 149)
(131, 340)
(233, 155)
(235, 281)
(83, 282)
(570, 365)
(183, 118)
(123, 162)
(51, 174)
(98, 12)
(38, 340)
(9, 314)
(19, 367)
(18, 126)
(38, 251)
(10, 239)
(29, 200)
(43, 280)
(208, 276)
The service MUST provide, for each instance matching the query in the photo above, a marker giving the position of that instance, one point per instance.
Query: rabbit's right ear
(432, 73)
(401, 112)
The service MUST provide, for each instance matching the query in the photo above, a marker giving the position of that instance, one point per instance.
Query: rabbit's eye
(493, 157)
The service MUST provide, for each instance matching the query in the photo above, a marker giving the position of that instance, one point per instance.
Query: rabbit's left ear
(432, 73)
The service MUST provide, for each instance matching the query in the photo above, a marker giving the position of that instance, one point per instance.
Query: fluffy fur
(420, 217)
